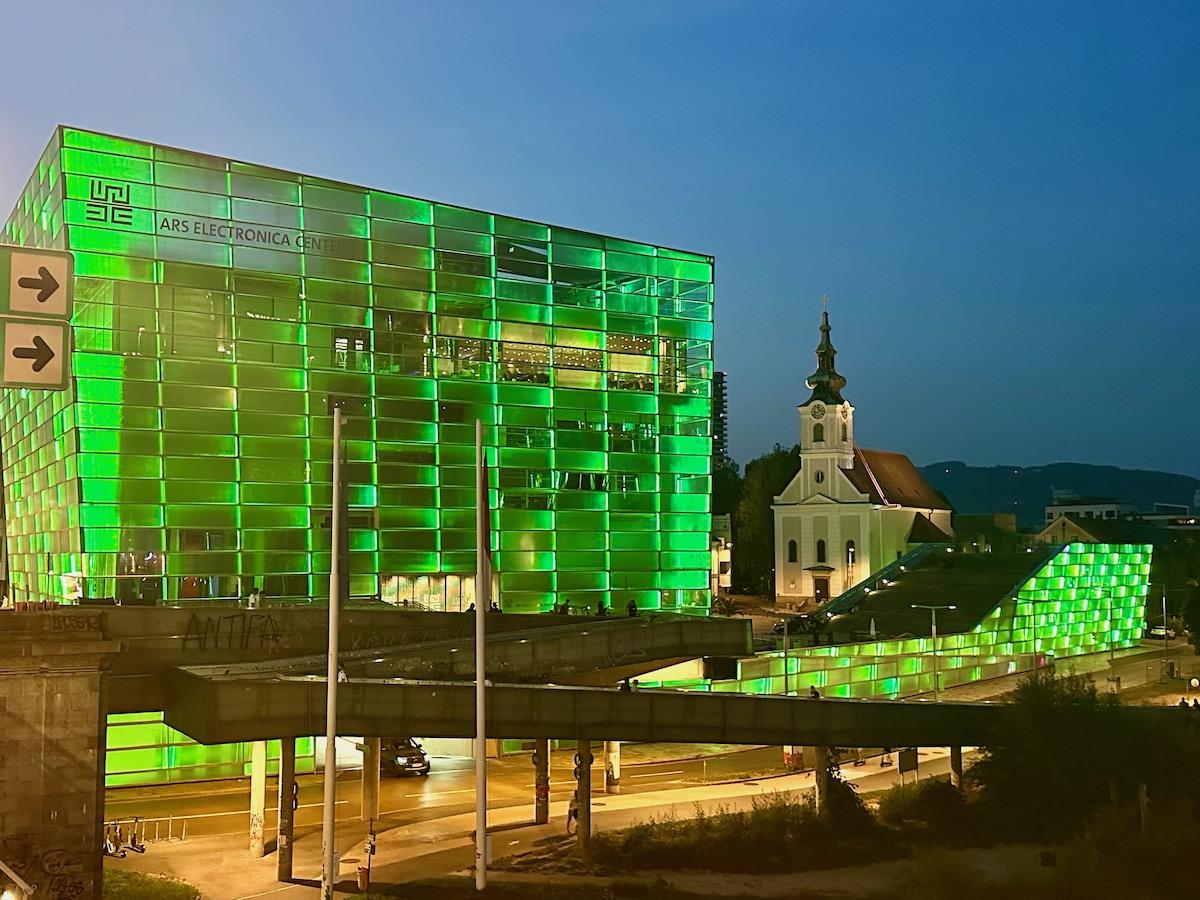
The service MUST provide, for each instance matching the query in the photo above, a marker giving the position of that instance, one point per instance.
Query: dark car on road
(795, 625)
(402, 756)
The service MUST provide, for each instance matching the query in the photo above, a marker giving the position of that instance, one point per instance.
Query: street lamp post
(933, 615)
(787, 669)
(1166, 632)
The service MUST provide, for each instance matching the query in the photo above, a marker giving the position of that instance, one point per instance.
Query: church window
(844, 432)
(818, 433)
(849, 553)
(820, 551)
(791, 551)
(819, 476)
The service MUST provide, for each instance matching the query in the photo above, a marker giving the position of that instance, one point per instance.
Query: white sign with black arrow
(35, 353)
(39, 282)
(36, 297)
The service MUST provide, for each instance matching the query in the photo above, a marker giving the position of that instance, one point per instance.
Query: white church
(848, 512)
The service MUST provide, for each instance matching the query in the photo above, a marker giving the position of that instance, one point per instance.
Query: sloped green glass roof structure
(1012, 613)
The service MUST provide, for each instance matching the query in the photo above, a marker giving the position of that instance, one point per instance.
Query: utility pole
(328, 844)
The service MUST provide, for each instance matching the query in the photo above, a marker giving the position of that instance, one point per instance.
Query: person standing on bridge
(813, 693)
(632, 609)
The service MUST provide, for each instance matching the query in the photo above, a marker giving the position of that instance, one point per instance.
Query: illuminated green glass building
(219, 306)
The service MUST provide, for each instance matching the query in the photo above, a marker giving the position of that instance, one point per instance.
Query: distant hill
(1027, 492)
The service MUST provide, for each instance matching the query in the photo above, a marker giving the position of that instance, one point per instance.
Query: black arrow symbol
(45, 283)
(40, 353)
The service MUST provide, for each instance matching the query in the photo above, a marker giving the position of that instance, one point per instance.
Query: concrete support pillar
(541, 781)
(370, 778)
(258, 799)
(612, 767)
(821, 774)
(584, 767)
(53, 702)
(956, 767)
(287, 815)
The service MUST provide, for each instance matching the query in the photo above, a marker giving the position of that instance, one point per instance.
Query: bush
(777, 834)
(1113, 858)
(120, 884)
(934, 805)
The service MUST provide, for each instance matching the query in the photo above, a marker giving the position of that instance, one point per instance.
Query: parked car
(795, 625)
(1158, 632)
(402, 756)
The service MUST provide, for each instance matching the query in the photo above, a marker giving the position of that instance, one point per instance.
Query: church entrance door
(821, 589)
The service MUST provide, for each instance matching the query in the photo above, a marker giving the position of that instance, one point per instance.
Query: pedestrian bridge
(211, 706)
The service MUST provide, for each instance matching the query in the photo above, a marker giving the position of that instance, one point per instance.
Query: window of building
(819, 476)
(820, 551)
(402, 342)
(352, 349)
(844, 433)
(791, 551)
(818, 433)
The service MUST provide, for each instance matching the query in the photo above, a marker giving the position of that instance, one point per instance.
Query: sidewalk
(221, 869)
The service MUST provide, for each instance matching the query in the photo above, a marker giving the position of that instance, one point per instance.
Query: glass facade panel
(220, 305)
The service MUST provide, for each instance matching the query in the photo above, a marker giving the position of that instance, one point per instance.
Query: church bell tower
(826, 419)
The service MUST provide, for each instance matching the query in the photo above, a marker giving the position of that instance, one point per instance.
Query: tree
(754, 521)
(724, 605)
(726, 486)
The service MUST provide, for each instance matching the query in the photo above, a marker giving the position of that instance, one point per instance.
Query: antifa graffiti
(234, 631)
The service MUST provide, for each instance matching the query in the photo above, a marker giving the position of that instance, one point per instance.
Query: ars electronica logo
(108, 202)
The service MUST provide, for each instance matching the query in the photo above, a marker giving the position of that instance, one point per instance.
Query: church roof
(890, 479)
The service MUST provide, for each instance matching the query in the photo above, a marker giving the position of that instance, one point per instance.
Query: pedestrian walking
(573, 813)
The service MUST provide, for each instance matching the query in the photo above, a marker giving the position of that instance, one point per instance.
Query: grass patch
(457, 888)
(120, 884)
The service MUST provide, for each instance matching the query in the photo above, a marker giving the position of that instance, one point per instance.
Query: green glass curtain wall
(220, 304)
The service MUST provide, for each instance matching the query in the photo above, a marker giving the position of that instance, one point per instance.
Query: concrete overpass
(154, 640)
(62, 671)
(213, 707)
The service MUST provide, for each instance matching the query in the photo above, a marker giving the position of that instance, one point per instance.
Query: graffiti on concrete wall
(75, 622)
(235, 631)
(54, 873)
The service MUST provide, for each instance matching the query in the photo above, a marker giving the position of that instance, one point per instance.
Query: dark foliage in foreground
(778, 834)
(1062, 752)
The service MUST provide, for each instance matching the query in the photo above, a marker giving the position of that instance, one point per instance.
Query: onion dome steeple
(825, 383)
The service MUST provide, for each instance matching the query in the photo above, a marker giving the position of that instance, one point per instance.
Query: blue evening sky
(1001, 199)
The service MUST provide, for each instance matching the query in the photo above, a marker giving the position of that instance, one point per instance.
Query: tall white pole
(328, 845)
(935, 656)
(483, 591)
(787, 669)
(1166, 634)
